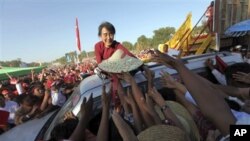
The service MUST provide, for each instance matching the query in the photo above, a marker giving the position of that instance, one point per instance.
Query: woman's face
(107, 37)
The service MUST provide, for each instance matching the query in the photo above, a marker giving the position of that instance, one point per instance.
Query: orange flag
(78, 36)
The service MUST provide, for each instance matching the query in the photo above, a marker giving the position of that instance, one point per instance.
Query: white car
(40, 129)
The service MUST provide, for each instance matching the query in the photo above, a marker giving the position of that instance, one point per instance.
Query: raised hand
(106, 96)
(209, 63)
(148, 73)
(242, 77)
(156, 96)
(125, 76)
(69, 115)
(168, 81)
(124, 129)
(87, 107)
(164, 59)
(129, 98)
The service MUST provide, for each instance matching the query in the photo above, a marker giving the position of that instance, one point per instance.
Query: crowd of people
(200, 109)
(34, 95)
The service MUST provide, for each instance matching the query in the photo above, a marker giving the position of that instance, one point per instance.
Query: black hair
(30, 99)
(63, 130)
(108, 26)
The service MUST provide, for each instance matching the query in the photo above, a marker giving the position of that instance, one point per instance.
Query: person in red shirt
(105, 48)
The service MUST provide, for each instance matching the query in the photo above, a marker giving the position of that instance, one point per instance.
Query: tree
(143, 43)
(162, 35)
(128, 45)
(61, 60)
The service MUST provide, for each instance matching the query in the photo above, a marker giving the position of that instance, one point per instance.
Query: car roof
(196, 63)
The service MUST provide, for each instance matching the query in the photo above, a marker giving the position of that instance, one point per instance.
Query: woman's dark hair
(108, 26)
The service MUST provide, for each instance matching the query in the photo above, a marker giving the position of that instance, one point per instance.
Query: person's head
(38, 91)
(63, 130)
(106, 32)
(163, 48)
(233, 69)
(6, 94)
(28, 102)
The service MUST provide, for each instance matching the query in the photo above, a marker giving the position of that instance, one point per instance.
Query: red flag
(220, 64)
(78, 36)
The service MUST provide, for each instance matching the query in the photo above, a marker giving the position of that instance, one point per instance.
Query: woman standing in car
(105, 48)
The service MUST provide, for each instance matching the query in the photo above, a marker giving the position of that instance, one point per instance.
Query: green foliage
(143, 43)
(61, 60)
(199, 28)
(128, 45)
(12, 63)
(162, 35)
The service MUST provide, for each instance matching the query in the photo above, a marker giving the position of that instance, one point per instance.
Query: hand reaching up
(168, 81)
(106, 97)
(125, 131)
(164, 59)
(87, 107)
(69, 115)
(242, 77)
(126, 76)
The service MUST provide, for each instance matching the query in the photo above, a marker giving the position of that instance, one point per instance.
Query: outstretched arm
(211, 105)
(86, 110)
(103, 131)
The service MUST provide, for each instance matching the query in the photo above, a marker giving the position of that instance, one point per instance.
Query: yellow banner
(179, 38)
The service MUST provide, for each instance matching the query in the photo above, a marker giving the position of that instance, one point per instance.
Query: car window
(68, 106)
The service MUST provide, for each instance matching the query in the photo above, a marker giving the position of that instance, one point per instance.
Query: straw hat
(120, 62)
(184, 117)
(162, 133)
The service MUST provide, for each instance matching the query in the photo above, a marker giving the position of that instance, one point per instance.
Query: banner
(179, 38)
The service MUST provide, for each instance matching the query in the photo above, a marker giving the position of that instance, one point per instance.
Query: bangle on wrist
(27, 116)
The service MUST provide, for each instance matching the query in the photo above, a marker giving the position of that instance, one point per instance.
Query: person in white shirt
(218, 75)
(58, 99)
(11, 107)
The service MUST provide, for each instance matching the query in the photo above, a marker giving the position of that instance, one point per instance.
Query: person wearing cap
(164, 48)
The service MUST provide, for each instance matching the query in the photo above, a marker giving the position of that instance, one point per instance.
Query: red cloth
(4, 115)
(103, 53)
(69, 79)
(49, 83)
(220, 64)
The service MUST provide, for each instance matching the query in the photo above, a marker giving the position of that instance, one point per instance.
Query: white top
(241, 117)
(58, 98)
(11, 106)
(172, 52)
